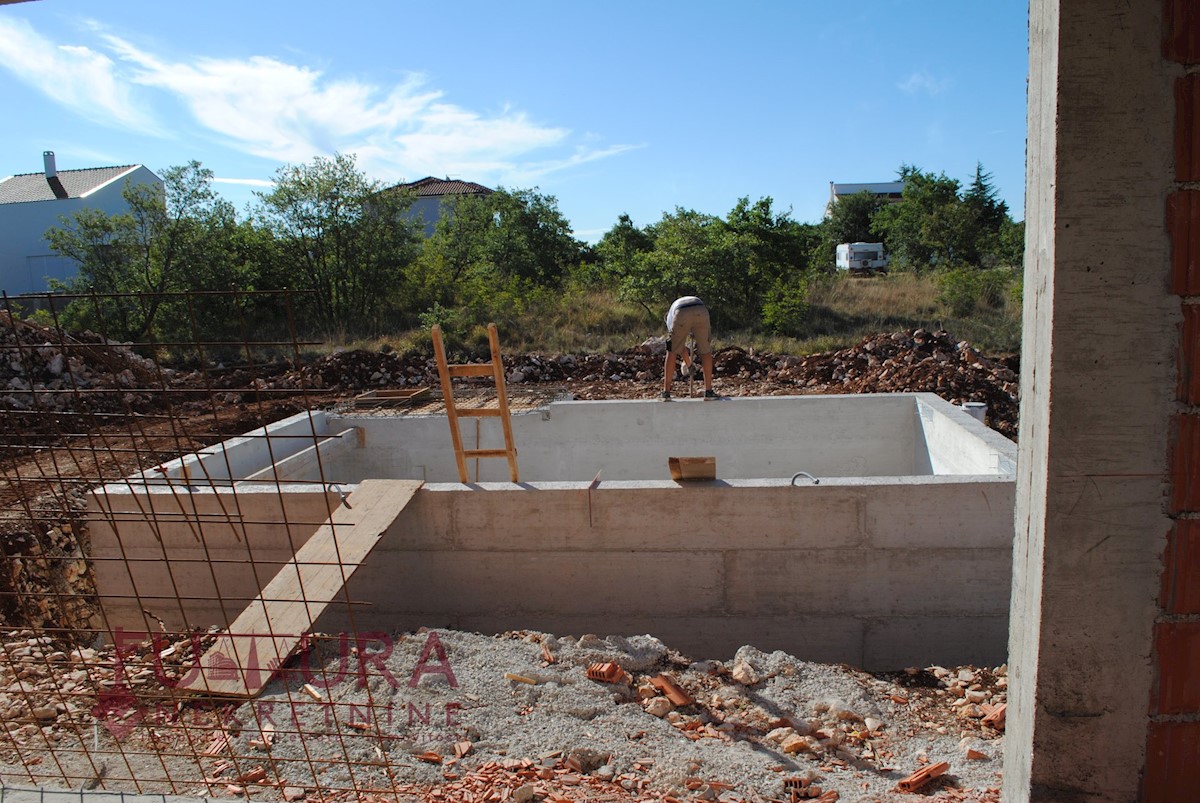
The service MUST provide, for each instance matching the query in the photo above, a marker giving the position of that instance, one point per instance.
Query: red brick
(1181, 38)
(1185, 465)
(1187, 128)
(1176, 655)
(1188, 356)
(1183, 226)
(1181, 569)
(1172, 755)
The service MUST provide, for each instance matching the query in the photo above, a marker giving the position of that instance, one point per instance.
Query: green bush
(785, 307)
(964, 290)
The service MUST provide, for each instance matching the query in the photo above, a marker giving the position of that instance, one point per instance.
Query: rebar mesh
(92, 698)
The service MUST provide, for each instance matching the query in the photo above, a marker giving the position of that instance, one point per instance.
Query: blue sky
(612, 107)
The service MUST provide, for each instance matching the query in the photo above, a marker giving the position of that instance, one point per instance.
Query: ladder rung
(474, 369)
(480, 412)
(485, 452)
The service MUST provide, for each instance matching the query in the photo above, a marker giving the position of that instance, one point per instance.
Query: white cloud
(922, 82)
(78, 77)
(533, 171)
(247, 182)
(292, 112)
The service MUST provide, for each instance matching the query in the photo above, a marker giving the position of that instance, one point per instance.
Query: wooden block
(692, 468)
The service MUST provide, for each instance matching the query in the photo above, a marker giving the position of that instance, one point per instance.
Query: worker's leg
(668, 371)
(702, 331)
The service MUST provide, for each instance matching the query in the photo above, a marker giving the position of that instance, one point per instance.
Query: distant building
(891, 190)
(430, 194)
(32, 203)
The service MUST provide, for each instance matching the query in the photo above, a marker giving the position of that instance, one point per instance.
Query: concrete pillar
(1098, 401)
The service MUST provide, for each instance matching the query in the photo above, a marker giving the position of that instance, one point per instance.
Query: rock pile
(45, 580)
(81, 371)
(916, 361)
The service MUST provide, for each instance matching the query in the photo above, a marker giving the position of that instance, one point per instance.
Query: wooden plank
(473, 369)
(389, 398)
(480, 412)
(246, 656)
(439, 352)
(485, 452)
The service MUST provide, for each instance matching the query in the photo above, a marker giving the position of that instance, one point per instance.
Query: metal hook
(815, 481)
(345, 497)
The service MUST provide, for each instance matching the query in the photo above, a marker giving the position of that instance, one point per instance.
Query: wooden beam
(250, 652)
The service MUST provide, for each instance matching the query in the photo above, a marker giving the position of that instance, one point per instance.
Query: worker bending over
(688, 316)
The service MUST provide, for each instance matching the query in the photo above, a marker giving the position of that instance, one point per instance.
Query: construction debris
(567, 737)
(922, 776)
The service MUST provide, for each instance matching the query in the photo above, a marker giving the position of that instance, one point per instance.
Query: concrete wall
(884, 435)
(858, 569)
(194, 558)
(1097, 390)
(881, 573)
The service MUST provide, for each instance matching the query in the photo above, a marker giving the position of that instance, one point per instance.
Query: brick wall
(1173, 740)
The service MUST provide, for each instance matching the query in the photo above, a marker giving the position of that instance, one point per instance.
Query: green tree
(619, 248)
(735, 264)
(923, 229)
(170, 235)
(492, 255)
(344, 240)
(850, 219)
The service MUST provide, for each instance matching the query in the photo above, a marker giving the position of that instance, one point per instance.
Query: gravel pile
(520, 710)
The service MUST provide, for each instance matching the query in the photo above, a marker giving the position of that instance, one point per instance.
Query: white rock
(780, 734)
(839, 710)
(658, 706)
(744, 673)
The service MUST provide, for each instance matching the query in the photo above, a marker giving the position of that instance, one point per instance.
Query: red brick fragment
(608, 672)
(922, 776)
(672, 690)
(996, 718)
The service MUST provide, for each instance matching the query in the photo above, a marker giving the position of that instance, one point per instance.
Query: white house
(31, 203)
(430, 193)
(892, 191)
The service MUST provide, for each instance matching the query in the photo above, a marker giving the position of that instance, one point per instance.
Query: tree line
(361, 266)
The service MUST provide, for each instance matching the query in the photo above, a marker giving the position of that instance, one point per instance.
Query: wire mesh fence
(124, 529)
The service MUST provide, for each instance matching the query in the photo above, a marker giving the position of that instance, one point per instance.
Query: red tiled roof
(450, 186)
(27, 187)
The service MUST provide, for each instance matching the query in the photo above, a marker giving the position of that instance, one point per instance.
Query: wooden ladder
(494, 369)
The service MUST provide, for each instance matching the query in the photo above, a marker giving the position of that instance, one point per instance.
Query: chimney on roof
(52, 179)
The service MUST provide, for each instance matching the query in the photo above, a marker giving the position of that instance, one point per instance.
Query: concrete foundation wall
(878, 573)
(886, 435)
